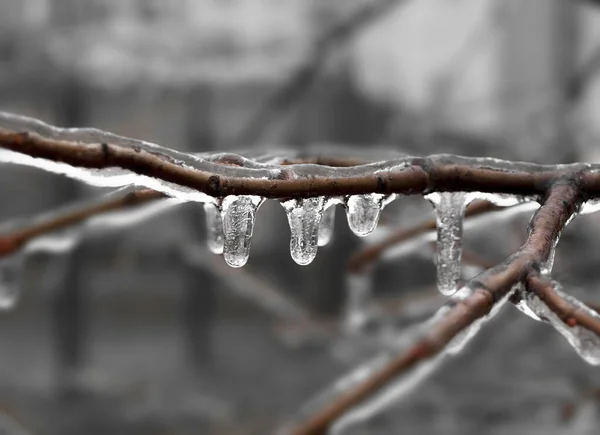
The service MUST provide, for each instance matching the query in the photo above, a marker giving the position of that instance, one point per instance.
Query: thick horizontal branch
(489, 287)
(411, 175)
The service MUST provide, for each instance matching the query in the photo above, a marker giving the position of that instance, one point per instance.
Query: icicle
(585, 342)
(326, 227)
(214, 228)
(450, 211)
(11, 270)
(238, 213)
(363, 212)
(358, 298)
(304, 217)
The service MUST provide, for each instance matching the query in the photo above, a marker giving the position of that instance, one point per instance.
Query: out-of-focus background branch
(149, 338)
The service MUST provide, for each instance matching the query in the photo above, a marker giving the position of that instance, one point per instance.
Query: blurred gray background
(127, 335)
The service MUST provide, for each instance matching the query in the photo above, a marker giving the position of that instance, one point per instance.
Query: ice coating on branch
(459, 342)
(363, 211)
(585, 342)
(327, 225)
(304, 217)
(214, 228)
(450, 212)
(499, 199)
(238, 214)
(358, 298)
(590, 206)
(399, 389)
(11, 274)
(523, 304)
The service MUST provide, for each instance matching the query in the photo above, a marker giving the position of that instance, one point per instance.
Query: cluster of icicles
(230, 223)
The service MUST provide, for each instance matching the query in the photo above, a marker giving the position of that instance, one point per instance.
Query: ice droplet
(238, 213)
(11, 268)
(326, 227)
(363, 211)
(214, 228)
(450, 211)
(585, 342)
(358, 297)
(304, 217)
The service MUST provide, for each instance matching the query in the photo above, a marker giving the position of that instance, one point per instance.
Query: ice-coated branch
(91, 156)
(486, 291)
(14, 239)
(570, 313)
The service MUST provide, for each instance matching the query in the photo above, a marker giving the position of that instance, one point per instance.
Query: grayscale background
(127, 335)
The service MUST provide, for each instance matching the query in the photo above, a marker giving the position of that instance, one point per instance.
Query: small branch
(567, 312)
(9, 243)
(489, 287)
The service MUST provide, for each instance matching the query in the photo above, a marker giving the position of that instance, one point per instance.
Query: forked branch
(488, 289)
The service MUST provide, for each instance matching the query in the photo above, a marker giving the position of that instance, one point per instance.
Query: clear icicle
(363, 212)
(214, 228)
(238, 213)
(11, 273)
(326, 227)
(450, 211)
(304, 217)
(585, 342)
(358, 297)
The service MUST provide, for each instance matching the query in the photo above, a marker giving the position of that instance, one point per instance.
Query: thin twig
(567, 312)
(16, 239)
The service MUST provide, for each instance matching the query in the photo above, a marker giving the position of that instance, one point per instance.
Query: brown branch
(292, 89)
(489, 287)
(16, 239)
(567, 312)
(360, 261)
(417, 175)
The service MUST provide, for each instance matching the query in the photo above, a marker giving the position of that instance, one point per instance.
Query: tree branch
(14, 240)
(409, 175)
(567, 312)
